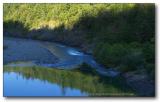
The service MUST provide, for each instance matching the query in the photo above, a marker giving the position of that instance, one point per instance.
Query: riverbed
(48, 54)
(41, 68)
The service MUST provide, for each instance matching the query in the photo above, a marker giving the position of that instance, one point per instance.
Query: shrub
(110, 54)
(126, 57)
(132, 61)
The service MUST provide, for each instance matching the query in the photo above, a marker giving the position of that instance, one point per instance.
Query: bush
(125, 57)
(110, 54)
(132, 61)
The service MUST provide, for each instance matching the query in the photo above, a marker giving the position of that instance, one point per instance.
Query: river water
(16, 85)
(34, 78)
(39, 81)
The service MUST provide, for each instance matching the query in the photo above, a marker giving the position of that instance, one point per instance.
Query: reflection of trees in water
(63, 89)
(74, 79)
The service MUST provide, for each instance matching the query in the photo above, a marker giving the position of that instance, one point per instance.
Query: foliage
(126, 56)
(123, 34)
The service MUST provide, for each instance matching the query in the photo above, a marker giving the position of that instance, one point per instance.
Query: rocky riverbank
(26, 50)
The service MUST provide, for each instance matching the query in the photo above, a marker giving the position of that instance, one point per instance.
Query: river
(36, 68)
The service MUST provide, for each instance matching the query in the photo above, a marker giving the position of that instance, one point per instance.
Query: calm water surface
(38, 81)
(16, 85)
(35, 78)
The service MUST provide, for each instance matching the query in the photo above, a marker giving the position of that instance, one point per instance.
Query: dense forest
(121, 36)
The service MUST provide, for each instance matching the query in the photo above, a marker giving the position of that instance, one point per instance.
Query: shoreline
(131, 78)
(26, 50)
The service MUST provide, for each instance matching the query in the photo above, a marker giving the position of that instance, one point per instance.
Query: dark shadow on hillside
(59, 34)
(133, 24)
(15, 28)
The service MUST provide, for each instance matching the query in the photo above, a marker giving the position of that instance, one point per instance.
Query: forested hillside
(120, 36)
